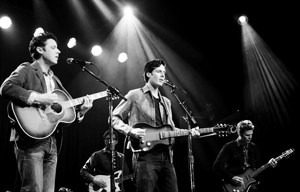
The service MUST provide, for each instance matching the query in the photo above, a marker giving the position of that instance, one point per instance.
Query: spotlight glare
(242, 20)
(128, 11)
(96, 50)
(5, 22)
(122, 57)
(72, 43)
(38, 31)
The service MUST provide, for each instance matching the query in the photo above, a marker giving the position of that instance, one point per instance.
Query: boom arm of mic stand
(113, 90)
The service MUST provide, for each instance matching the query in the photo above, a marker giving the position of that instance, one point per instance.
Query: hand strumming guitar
(238, 181)
(99, 184)
(44, 98)
(138, 133)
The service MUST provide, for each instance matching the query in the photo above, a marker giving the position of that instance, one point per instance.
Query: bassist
(238, 155)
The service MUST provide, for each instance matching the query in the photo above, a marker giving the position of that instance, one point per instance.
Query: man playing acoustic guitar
(146, 106)
(236, 157)
(30, 88)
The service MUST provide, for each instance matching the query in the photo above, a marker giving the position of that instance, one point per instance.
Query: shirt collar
(146, 89)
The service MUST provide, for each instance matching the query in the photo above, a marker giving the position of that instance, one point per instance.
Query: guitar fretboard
(183, 132)
(262, 168)
(78, 101)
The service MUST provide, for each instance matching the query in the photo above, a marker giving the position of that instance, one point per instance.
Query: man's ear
(148, 74)
(40, 50)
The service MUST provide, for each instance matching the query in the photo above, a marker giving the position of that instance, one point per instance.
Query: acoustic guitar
(106, 179)
(40, 121)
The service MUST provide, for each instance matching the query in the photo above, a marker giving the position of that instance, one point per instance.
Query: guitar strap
(61, 86)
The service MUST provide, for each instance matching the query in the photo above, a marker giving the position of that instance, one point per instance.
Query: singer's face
(50, 52)
(157, 76)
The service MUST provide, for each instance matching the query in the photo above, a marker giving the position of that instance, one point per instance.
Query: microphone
(76, 61)
(167, 82)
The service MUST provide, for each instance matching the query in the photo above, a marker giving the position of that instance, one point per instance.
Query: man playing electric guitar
(96, 172)
(238, 155)
(154, 168)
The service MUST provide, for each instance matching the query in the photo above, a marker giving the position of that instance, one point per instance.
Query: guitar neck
(78, 101)
(182, 132)
(121, 179)
(265, 166)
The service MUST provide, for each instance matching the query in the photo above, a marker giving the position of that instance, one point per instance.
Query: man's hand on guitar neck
(272, 162)
(195, 132)
(86, 105)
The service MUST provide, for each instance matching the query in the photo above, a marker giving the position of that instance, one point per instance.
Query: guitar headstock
(288, 153)
(223, 130)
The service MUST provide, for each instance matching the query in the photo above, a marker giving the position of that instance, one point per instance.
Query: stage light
(122, 57)
(38, 31)
(5, 22)
(72, 43)
(96, 50)
(242, 20)
(128, 11)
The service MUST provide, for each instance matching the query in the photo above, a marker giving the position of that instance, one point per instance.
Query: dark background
(206, 36)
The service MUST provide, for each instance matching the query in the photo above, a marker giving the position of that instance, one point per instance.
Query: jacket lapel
(39, 74)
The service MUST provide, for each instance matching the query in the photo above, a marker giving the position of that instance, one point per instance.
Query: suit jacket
(28, 77)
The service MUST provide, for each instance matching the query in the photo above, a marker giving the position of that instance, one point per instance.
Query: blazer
(25, 79)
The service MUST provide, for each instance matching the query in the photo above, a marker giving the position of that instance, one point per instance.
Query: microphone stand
(190, 153)
(112, 94)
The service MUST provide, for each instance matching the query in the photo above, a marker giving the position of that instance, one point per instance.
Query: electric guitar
(39, 122)
(165, 135)
(106, 179)
(249, 174)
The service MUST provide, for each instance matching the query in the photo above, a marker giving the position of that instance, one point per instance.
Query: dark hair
(108, 133)
(244, 125)
(39, 41)
(151, 65)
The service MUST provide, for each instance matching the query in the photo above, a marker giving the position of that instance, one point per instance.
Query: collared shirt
(99, 163)
(140, 108)
(48, 76)
(49, 81)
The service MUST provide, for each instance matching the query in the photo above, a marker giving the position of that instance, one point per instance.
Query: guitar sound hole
(56, 107)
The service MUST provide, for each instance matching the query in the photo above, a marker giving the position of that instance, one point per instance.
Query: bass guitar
(106, 179)
(165, 135)
(249, 174)
(39, 122)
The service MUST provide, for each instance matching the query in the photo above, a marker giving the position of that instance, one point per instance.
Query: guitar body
(152, 137)
(41, 121)
(106, 179)
(248, 182)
